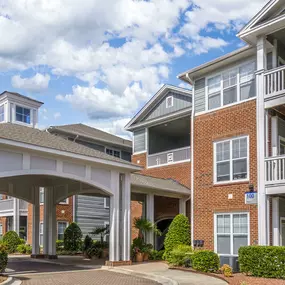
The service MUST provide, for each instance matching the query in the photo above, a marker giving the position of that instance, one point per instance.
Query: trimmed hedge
(178, 233)
(181, 256)
(24, 249)
(73, 238)
(12, 240)
(3, 258)
(205, 261)
(262, 261)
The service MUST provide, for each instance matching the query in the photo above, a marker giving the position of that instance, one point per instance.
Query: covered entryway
(31, 159)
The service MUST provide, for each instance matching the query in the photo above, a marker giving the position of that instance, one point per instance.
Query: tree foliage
(72, 238)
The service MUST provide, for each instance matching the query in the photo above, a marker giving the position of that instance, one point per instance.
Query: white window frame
(238, 84)
(281, 141)
(113, 149)
(106, 224)
(60, 221)
(231, 231)
(31, 115)
(41, 233)
(2, 114)
(64, 203)
(42, 192)
(105, 204)
(231, 180)
(166, 102)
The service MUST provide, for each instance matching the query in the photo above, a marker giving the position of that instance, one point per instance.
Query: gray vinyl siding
(139, 140)
(90, 213)
(199, 95)
(180, 102)
(126, 155)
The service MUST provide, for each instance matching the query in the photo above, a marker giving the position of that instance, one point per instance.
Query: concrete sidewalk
(160, 272)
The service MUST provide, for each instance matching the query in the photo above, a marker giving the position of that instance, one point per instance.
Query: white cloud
(185, 85)
(37, 83)
(57, 115)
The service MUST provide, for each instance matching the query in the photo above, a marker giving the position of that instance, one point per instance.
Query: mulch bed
(237, 278)
(3, 278)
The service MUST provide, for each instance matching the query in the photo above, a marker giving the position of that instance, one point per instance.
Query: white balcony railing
(169, 157)
(8, 205)
(275, 170)
(274, 81)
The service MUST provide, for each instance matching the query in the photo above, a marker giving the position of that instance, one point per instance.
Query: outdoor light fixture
(251, 188)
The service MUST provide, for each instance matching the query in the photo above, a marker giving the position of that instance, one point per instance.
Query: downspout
(192, 160)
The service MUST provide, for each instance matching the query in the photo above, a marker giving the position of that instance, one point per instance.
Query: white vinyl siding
(2, 113)
(231, 160)
(231, 86)
(231, 232)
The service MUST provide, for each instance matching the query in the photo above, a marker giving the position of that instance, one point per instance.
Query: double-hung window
(2, 115)
(231, 160)
(41, 234)
(113, 152)
(214, 92)
(230, 87)
(231, 232)
(61, 226)
(247, 82)
(23, 115)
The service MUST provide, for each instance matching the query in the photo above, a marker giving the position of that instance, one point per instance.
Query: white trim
(69, 154)
(231, 231)
(139, 152)
(64, 203)
(60, 221)
(105, 203)
(231, 180)
(168, 164)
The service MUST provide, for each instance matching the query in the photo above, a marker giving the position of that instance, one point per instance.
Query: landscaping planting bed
(3, 278)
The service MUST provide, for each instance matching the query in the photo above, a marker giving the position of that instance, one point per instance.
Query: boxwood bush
(205, 261)
(178, 233)
(73, 238)
(181, 255)
(24, 249)
(3, 257)
(262, 261)
(156, 255)
(12, 240)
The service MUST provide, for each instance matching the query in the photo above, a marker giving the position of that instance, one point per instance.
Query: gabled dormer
(18, 109)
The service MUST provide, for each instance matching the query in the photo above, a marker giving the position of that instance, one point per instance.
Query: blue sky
(97, 62)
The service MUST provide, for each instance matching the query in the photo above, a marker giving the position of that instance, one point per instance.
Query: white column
(114, 247)
(16, 215)
(275, 221)
(52, 224)
(36, 222)
(182, 206)
(262, 213)
(126, 214)
(274, 135)
(150, 215)
(46, 221)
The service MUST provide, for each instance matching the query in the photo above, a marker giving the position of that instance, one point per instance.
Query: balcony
(169, 157)
(7, 207)
(275, 170)
(274, 82)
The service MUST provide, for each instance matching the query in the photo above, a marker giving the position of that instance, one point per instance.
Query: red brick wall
(136, 212)
(209, 198)
(63, 213)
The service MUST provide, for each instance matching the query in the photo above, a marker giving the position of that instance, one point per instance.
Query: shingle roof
(40, 138)
(20, 95)
(168, 185)
(91, 133)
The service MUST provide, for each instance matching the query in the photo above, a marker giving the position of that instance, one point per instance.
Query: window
(170, 157)
(107, 236)
(1, 197)
(231, 160)
(2, 113)
(42, 195)
(169, 102)
(64, 201)
(106, 203)
(113, 152)
(231, 232)
(23, 115)
(61, 226)
(231, 86)
(281, 145)
(41, 234)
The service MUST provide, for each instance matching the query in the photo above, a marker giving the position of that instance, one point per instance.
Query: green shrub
(88, 242)
(181, 256)
(156, 255)
(205, 260)
(262, 261)
(59, 245)
(3, 257)
(73, 238)
(178, 233)
(12, 240)
(22, 241)
(24, 249)
(95, 251)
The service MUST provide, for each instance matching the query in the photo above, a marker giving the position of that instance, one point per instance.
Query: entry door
(282, 231)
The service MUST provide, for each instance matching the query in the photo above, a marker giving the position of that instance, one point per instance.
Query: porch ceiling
(280, 109)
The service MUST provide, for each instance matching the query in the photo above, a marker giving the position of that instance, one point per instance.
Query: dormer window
(23, 115)
(2, 113)
(169, 102)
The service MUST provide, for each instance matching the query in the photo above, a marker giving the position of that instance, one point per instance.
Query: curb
(12, 281)
(160, 279)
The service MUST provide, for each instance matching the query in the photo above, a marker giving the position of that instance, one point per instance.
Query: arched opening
(163, 226)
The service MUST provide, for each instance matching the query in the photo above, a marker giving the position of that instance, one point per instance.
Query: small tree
(178, 234)
(145, 226)
(72, 237)
(102, 232)
(12, 240)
